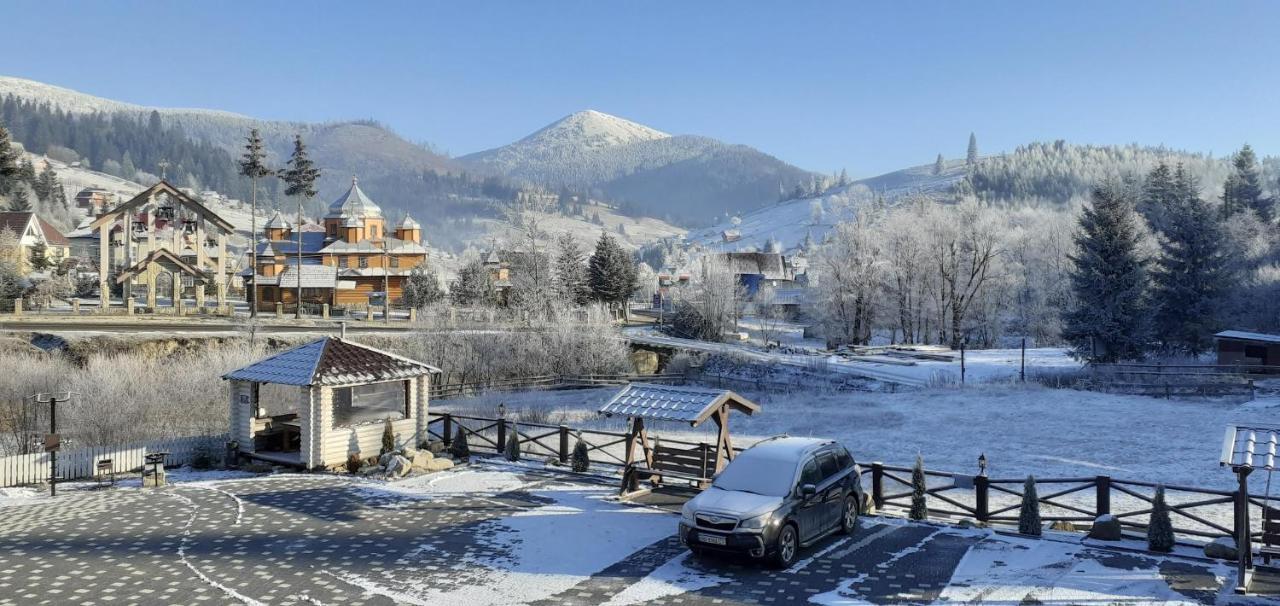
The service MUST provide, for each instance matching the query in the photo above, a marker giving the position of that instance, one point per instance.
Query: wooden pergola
(641, 402)
(1247, 448)
(141, 217)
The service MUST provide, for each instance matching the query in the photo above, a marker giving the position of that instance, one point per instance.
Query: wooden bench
(695, 465)
(1270, 543)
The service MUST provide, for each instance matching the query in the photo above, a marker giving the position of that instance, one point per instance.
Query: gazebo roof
(331, 361)
(1251, 447)
(691, 405)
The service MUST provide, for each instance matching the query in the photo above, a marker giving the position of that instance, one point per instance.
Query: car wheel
(788, 545)
(849, 515)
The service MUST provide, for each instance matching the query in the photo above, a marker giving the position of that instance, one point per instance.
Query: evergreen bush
(919, 504)
(1160, 528)
(512, 452)
(459, 448)
(354, 462)
(1029, 514)
(388, 438)
(579, 460)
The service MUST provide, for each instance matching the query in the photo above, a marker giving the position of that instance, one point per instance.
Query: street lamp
(982, 464)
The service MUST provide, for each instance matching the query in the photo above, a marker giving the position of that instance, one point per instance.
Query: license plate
(713, 539)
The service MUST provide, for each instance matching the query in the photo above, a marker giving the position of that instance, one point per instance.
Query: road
(204, 328)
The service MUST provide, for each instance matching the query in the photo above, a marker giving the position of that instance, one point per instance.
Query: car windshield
(759, 475)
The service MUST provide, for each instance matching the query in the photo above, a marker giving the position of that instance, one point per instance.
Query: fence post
(564, 444)
(448, 430)
(981, 498)
(1244, 548)
(1102, 488)
(502, 434)
(877, 485)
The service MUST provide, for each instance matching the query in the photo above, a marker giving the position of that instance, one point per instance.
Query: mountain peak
(591, 129)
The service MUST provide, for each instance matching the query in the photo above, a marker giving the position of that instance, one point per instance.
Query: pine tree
(1159, 198)
(1243, 189)
(1107, 321)
(580, 460)
(421, 288)
(1191, 279)
(939, 165)
(459, 448)
(611, 273)
(388, 437)
(474, 286)
(843, 180)
(1160, 527)
(300, 176)
(1029, 513)
(253, 165)
(571, 271)
(971, 157)
(8, 162)
(919, 503)
(512, 450)
(18, 200)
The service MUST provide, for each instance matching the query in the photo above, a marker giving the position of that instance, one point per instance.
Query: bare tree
(849, 270)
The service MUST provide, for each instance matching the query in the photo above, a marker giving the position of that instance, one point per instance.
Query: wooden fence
(1195, 512)
(82, 463)
(1170, 380)
(449, 390)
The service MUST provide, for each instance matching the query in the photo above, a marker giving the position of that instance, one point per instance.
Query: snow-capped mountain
(684, 177)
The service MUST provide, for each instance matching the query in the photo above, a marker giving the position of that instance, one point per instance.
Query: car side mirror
(808, 490)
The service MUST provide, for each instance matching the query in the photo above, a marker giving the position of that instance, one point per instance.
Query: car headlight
(755, 523)
(686, 515)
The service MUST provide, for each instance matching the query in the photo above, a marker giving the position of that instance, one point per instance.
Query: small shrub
(1029, 514)
(388, 438)
(512, 452)
(202, 457)
(579, 460)
(354, 462)
(459, 448)
(1160, 528)
(919, 504)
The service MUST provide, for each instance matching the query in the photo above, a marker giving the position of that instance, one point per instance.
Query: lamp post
(982, 465)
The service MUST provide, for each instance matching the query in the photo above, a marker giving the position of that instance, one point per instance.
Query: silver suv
(774, 498)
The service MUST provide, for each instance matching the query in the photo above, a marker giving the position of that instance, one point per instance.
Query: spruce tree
(512, 450)
(8, 162)
(1160, 527)
(1243, 189)
(580, 460)
(459, 448)
(1191, 279)
(939, 165)
(1108, 318)
(253, 165)
(300, 177)
(474, 286)
(388, 437)
(919, 499)
(611, 272)
(18, 199)
(971, 157)
(421, 288)
(571, 271)
(1029, 513)
(1159, 198)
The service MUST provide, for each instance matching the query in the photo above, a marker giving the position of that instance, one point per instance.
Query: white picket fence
(82, 463)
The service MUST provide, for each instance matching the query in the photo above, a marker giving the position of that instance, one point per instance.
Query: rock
(369, 470)
(436, 447)
(1106, 528)
(439, 464)
(644, 362)
(1221, 548)
(409, 453)
(385, 458)
(423, 460)
(1063, 525)
(398, 467)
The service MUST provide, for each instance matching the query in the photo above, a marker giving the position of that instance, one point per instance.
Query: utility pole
(1022, 370)
(962, 362)
(52, 442)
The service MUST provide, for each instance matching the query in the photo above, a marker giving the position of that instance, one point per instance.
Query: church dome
(354, 205)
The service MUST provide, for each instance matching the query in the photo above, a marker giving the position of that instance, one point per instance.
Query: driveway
(494, 534)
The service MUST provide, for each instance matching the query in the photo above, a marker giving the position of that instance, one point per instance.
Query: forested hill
(1058, 172)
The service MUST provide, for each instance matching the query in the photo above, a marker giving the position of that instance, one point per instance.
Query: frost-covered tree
(19, 199)
(8, 162)
(843, 179)
(571, 271)
(300, 182)
(1159, 198)
(939, 165)
(421, 288)
(1029, 512)
(848, 269)
(1109, 320)
(971, 156)
(580, 460)
(1243, 188)
(474, 285)
(919, 495)
(1193, 274)
(512, 448)
(252, 165)
(611, 273)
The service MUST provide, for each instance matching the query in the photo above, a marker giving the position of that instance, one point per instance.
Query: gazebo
(693, 405)
(316, 404)
(1247, 448)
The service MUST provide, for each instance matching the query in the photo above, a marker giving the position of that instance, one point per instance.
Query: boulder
(423, 459)
(1063, 525)
(1106, 528)
(398, 467)
(369, 470)
(435, 447)
(409, 453)
(439, 464)
(644, 362)
(1221, 548)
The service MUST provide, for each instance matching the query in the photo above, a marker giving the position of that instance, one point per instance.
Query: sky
(865, 86)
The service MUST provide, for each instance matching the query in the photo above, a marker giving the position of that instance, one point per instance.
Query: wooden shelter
(693, 405)
(1247, 448)
(162, 217)
(314, 405)
(1251, 351)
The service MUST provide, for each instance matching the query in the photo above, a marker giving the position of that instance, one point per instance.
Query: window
(845, 459)
(344, 261)
(370, 403)
(830, 467)
(395, 262)
(811, 474)
(364, 262)
(373, 231)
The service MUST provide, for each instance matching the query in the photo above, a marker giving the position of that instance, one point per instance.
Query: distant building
(94, 200)
(353, 256)
(33, 232)
(756, 269)
(1238, 347)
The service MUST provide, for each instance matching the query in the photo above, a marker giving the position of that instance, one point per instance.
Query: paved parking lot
(503, 536)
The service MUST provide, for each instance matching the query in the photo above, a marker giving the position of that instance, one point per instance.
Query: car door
(831, 490)
(809, 509)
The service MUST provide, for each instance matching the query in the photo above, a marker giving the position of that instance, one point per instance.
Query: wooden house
(39, 243)
(1243, 348)
(316, 404)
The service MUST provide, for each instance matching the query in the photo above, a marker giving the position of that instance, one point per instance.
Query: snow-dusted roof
(331, 361)
(1248, 336)
(393, 245)
(354, 203)
(409, 223)
(278, 221)
(671, 403)
(1250, 447)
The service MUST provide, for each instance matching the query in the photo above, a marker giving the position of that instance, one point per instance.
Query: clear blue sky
(868, 86)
